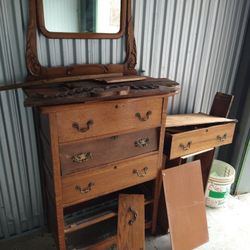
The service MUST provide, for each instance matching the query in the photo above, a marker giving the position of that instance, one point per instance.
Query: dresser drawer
(179, 144)
(98, 119)
(87, 185)
(83, 155)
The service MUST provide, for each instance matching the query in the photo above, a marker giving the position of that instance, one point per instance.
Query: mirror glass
(82, 16)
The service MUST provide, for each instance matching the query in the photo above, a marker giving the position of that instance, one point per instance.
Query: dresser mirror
(82, 18)
(115, 12)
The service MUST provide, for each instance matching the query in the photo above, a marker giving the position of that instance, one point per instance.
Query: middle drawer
(83, 155)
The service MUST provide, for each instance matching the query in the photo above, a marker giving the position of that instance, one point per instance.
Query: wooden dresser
(92, 152)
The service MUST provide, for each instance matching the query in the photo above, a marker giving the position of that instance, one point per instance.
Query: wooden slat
(194, 119)
(131, 229)
(89, 221)
(118, 79)
(185, 204)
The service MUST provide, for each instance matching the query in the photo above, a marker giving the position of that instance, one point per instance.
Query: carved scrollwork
(131, 59)
(32, 62)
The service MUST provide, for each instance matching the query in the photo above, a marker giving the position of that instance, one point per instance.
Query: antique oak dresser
(101, 131)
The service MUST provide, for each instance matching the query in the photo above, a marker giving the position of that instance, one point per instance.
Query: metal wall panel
(195, 42)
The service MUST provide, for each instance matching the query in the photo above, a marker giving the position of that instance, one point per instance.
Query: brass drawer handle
(141, 173)
(141, 143)
(143, 119)
(221, 138)
(82, 129)
(82, 157)
(134, 215)
(185, 147)
(86, 189)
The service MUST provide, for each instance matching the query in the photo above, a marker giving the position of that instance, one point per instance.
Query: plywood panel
(185, 203)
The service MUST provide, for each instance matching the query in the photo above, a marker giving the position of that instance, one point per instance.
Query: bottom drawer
(85, 186)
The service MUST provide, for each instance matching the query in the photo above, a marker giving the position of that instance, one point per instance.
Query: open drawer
(181, 141)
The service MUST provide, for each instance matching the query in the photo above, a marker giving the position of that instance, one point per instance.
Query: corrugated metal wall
(195, 42)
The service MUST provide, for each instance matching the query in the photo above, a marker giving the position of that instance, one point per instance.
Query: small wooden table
(194, 135)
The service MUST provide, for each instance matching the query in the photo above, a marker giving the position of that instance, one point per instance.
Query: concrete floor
(229, 229)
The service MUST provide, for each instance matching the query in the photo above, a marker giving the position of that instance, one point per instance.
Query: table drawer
(98, 119)
(83, 155)
(87, 185)
(184, 143)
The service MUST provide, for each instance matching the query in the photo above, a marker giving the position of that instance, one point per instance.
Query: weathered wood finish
(185, 143)
(109, 118)
(108, 179)
(132, 168)
(57, 182)
(130, 230)
(83, 155)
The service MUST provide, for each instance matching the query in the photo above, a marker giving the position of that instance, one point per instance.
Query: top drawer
(104, 118)
(179, 143)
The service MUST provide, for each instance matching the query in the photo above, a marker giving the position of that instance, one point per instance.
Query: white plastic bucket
(219, 183)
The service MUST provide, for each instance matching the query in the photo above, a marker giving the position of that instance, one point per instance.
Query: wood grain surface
(185, 204)
(108, 179)
(131, 228)
(83, 155)
(109, 117)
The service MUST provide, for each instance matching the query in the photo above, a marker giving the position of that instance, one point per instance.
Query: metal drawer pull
(141, 173)
(134, 215)
(143, 119)
(82, 157)
(185, 147)
(82, 129)
(86, 189)
(141, 143)
(221, 138)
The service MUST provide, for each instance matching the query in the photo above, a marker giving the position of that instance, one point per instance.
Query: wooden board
(183, 190)
(194, 119)
(131, 228)
(119, 79)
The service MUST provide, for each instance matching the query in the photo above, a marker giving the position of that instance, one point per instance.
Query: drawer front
(200, 139)
(85, 186)
(83, 155)
(105, 118)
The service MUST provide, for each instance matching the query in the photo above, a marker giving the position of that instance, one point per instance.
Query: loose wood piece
(131, 222)
(181, 120)
(185, 204)
(54, 81)
(109, 80)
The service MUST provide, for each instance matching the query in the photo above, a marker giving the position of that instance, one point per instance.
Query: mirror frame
(75, 35)
(36, 71)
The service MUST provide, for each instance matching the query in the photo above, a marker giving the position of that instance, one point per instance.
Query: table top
(180, 120)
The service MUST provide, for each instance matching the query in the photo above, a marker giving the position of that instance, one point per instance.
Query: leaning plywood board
(194, 119)
(131, 222)
(185, 203)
